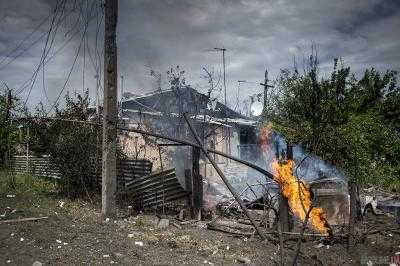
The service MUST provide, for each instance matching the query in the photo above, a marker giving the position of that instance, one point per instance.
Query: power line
(44, 54)
(45, 60)
(68, 76)
(60, 20)
(23, 41)
(73, 65)
(25, 83)
(57, 51)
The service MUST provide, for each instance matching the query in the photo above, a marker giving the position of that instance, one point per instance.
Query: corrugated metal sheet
(127, 170)
(155, 189)
(36, 166)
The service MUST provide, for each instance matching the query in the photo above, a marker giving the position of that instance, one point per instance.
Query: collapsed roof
(184, 100)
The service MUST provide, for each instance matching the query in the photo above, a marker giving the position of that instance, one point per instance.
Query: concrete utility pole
(109, 172)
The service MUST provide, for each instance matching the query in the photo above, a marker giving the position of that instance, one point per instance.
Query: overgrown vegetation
(14, 184)
(353, 123)
(9, 109)
(74, 147)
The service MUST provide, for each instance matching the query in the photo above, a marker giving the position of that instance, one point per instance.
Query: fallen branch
(228, 230)
(23, 220)
(383, 230)
(297, 234)
(232, 224)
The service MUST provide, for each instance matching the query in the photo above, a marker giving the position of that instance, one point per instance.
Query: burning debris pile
(321, 206)
(298, 196)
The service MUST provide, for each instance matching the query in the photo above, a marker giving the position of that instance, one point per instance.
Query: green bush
(73, 146)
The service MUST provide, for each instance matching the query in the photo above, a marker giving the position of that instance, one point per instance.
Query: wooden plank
(188, 187)
(23, 220)
(197, 183)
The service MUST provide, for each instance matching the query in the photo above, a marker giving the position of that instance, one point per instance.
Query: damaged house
(220, 128)
(225, 130)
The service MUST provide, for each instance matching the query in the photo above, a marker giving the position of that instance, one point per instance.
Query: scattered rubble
(139, 243)
(243, 260)
(163, 223)
(61, 204)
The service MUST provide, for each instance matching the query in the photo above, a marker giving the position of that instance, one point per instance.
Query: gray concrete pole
(109, 171)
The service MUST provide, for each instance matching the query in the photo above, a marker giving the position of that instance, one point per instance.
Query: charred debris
(208, 161)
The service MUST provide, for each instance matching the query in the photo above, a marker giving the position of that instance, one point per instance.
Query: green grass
(17, 184)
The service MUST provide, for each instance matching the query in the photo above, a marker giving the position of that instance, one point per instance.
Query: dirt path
(74, 235)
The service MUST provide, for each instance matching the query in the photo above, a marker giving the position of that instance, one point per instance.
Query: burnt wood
(197, 183)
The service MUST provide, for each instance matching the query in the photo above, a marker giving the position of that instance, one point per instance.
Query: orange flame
(298, 196)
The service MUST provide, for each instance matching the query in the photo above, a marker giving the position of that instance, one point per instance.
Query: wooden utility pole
(109, 171)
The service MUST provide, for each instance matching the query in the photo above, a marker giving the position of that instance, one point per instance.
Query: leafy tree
(352, 123)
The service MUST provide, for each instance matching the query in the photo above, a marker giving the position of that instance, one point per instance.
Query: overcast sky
(158, 34)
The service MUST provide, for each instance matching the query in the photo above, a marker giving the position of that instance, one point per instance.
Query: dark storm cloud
(258, 34)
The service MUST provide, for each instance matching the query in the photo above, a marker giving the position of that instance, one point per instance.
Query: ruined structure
(220, 128)
(225, 130)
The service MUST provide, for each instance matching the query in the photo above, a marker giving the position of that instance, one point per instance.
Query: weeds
(11, 183)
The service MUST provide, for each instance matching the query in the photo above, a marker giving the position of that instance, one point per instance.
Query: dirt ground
(74, 234)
